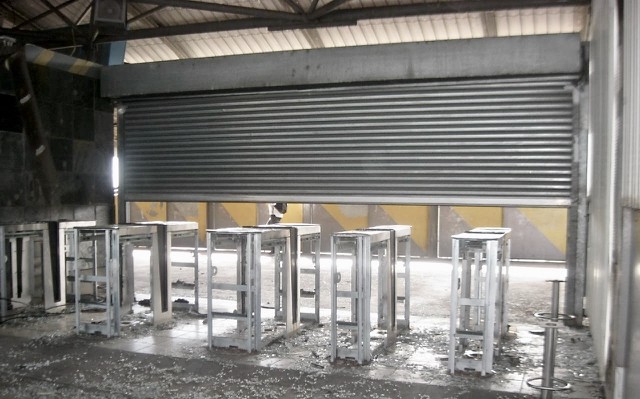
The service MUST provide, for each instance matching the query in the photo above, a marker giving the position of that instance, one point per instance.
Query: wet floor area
(43, 357)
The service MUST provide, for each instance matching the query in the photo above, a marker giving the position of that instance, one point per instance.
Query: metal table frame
(21, 262)
(504, 262)
(169, 231)
(103, 273)
(400, 236)
(248, 244)
(473, 305)
(361, 246)
(309, 234)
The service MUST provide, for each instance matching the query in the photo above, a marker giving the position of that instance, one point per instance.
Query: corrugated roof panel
(148, 50)
(272, 41)
(527, 23)
(463, 26)
(439, 28)
(554, 21)
(331, 37)
(359, 35)
(476, 25)
(415, 30)
(540, 21)
(292, 39)
(427, 29)
(567, 22)
(451, 26)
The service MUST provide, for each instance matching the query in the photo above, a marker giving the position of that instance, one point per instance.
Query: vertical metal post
(196, 289)
(210, 247)
(76, 277)
(316, 265)
(407, 282)
(3, 278)
(255, 282)
(334, 299)
(454, 304)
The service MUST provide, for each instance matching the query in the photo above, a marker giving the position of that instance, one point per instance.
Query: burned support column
(45, 168)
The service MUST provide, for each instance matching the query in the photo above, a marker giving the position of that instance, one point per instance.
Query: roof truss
(73, 27)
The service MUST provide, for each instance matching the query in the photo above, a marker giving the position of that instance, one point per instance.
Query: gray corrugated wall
(630, 184)
(496, 141)
(627, 323)
(603, 207)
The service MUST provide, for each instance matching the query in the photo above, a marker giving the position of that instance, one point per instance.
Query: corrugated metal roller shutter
(498, 142)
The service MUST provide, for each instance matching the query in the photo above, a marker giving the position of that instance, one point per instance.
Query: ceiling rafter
(295, 6)
(59, 13)
(145, 14)
(45, 14)
(224, 8)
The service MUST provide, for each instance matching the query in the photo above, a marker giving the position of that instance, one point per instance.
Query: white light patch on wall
(115, 172)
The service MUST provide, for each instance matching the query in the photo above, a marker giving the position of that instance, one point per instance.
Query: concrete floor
(44, 358)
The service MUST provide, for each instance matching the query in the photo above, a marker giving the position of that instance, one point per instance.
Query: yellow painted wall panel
(349, 216)
(148, 212)
(552, 222)
(415, 216)
(294, 214)
(244, 214)
(480, 216)
(200, 217)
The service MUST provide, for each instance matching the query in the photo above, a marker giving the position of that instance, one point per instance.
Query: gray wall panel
(630, 185)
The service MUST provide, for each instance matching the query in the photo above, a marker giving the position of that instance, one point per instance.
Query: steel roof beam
(511, 56)
(223, 8)
(412, 10)
(327, 8)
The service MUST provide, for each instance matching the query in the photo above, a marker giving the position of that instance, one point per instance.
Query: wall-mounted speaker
(110, 12)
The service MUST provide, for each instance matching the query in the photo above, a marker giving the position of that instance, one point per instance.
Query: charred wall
(78, 126)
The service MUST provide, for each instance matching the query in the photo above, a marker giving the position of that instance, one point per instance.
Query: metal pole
(548, 383)
(550, 338)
